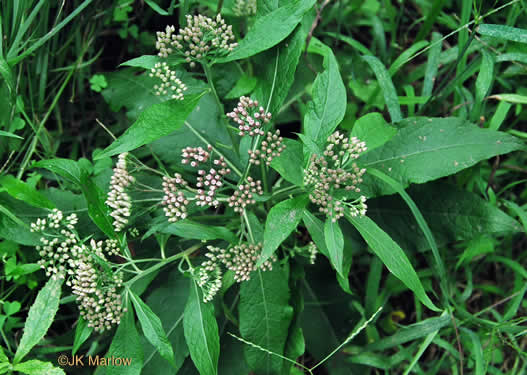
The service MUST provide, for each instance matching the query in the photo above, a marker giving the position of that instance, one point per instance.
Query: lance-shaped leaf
(335, 243)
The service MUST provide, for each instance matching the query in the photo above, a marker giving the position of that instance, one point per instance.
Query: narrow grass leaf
(40, 317)
(391, 255)
(499, 115)
(201, 333)
(432, 65)
(270, 29)
(387, 87)
(411, 332)
(476, 352)
(510, 98)
(265, 316)
(406, 56)
(153, 123)
(503, 32)
(282, 219)
(335, 244)
(424, 345)
(351, 42)
(152, 328)
(483, 83)
(10, 135)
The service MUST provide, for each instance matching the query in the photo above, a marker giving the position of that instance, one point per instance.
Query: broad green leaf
(152, 328)
(387, 87)
(265, 316)
(66, 168)
(281, 221)
(276, 69)
(97, 209)
(22, 191)
(149, 61)
(126, 344)
(426, 149)
(455, 215)
(315, 227)
(411, 332)
(36, 367)
(335, 244)
(40, 317)
(270, 29)
(167, 301)
(153, 123)
(503, 32)
(391, 255)
(201, 333)
(244, 86)
(328, 107)
(189, 229)
(82, 333)
(290, 163)
(373, 129)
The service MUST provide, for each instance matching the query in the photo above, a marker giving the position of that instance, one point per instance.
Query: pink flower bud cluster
(244, 196)
(174, 199)
(170, 84)
(270, 148)
(201, 38)
(249, 116)
(333, 170)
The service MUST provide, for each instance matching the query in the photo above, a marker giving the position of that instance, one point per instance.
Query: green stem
(208, 74)
(163, 263)
(249, 230)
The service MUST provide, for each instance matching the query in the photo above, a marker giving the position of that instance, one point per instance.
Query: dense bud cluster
(169, 81)
(244, 196)
(208, 182)
(174, 198)
(65, 256)
(244, 8)
(249, 116)
(118, 199)
(203, 36)
(270, 148)
(329, 172)
(241, 259)
(195, 155)
(313, 250)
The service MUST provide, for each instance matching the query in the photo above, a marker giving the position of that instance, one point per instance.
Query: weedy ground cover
(263, 187)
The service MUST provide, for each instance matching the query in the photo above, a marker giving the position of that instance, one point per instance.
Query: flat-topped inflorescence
(336, 169)
(201, 39)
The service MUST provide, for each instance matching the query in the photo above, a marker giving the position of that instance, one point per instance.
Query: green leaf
(328, 107)
(387, 87)
(411, 332)
(152, 4)
(510, 98)
(335, 244)
(3, 357)
(281, 221)
(40, 317)
(152, 328)
(11, 135)
(276, 69)
(66, 168)
(270, 29)
(426, 149)
(265, 316)
(188, 229)
(290, 163)
(11, 308)
(315, 227)
(97, 209)
(201, 333)
(153, 123)
(373, 129)
(24, 192)
(244, 86)
(82, 333)
(126, 344)
(503, 32)
(36, 367)
(391, 255)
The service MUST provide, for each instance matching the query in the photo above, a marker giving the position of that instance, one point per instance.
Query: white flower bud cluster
(270, 148)
(244, 196)
(327, 173)
(202, 37)
(174, 199)
(169, 81)
(241, 259)
(209, 182)
(244, 8)
(313, 250)
(249, 116)
(195, 155)
(118, 199)
(65, 256)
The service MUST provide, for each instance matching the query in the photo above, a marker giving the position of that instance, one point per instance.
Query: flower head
(118, 199)
(249, 116)
(244, 8)
(170, 84)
